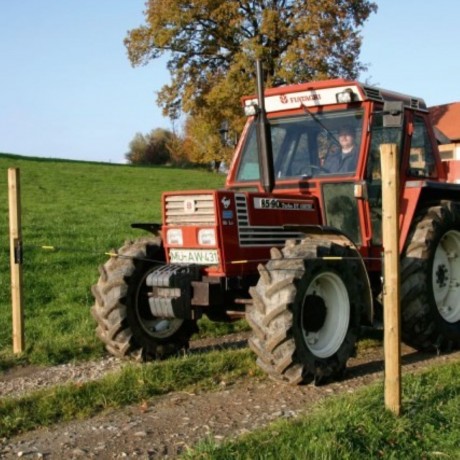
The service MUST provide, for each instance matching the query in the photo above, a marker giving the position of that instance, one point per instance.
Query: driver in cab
(344, 159)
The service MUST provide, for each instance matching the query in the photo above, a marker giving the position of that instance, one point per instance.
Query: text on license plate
(194, 256)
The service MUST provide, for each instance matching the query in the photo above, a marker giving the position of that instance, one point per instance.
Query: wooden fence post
(14, 199)
(391, 287)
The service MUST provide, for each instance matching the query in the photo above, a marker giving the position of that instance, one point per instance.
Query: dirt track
(165, 426)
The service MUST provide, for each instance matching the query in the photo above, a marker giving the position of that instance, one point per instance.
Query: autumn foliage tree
(155, 148)
(212, 46)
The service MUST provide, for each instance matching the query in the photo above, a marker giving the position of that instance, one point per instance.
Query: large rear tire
(124, 321)
(306, 311)
(430, 280)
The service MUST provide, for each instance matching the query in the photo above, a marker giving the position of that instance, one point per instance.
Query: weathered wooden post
(14, 201)
(391, 293)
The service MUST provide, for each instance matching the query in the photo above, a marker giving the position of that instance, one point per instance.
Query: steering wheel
(307, 170)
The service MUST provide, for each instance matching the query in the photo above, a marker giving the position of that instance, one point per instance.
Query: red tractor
(294, 241)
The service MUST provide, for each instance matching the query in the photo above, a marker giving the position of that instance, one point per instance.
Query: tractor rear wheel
(124, 320)
(430, 280)
(306, 311)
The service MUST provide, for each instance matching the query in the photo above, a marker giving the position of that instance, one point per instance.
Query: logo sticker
(189, 206)
(225, 202)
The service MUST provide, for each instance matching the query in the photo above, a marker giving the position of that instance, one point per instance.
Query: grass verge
(81, 210)
(133, 384)
(357, 426)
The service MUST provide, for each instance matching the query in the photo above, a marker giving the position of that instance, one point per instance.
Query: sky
(68, 90)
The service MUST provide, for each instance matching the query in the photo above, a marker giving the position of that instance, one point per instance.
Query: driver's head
(346, 138)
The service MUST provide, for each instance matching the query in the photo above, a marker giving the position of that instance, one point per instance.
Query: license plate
(194, 256)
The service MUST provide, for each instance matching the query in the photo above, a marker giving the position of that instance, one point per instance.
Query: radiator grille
(190, 210)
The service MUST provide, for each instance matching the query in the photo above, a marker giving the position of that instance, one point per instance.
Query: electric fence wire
(114, 253)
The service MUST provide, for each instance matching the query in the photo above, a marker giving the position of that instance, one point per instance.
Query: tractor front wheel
(306, 311)
(124, 321)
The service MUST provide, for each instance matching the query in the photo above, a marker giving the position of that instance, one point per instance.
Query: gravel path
(165, 426)
(18, 381)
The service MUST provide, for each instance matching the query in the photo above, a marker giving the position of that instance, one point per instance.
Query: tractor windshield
(314, 144)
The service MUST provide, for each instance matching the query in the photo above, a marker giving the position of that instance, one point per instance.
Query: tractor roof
(327, 92)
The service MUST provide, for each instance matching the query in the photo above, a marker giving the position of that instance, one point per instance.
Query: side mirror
(393, 114)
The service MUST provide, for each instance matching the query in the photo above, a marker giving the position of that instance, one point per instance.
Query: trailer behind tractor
(292, 246)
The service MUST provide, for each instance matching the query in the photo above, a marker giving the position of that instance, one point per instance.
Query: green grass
(134, 384)
(357, 426)
(82, 209)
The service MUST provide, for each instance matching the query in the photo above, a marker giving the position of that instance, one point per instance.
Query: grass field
(83, 210)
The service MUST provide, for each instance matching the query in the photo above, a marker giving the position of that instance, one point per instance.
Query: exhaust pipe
(264, 140)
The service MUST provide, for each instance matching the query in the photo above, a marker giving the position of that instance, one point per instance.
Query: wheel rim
(154, 326)
(329, 337)
(446, 276)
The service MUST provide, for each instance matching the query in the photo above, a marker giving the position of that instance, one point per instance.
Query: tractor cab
(325, 141)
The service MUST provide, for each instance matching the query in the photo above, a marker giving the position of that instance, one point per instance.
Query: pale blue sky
(67, 89)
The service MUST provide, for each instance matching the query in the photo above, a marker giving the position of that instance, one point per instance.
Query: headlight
(345, 97)
(251, 109)
(207, 237)
(174, 236)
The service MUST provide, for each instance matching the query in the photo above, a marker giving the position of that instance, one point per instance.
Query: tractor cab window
(379, 136)
(311, 145)
(341, 209)
(421, 157)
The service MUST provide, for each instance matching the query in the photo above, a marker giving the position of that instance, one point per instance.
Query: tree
(213, 44)
(153, 148)
(137, 149)
(203, 142)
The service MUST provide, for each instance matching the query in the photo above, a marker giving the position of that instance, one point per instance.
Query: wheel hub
(325, 314)
(442, 276)
(315, 313)
(446, 276)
